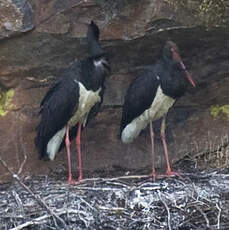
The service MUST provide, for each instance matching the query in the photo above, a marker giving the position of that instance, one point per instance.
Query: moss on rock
(209, 13)
(215, 110)
(5, 101)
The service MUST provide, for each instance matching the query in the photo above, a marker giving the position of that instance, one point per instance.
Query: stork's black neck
(172, 78)
(94, 48)
(88, 74)
(91, 71)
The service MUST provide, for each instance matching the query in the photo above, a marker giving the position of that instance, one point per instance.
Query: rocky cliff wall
(40, 38)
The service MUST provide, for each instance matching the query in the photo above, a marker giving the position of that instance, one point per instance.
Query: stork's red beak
(177, 57)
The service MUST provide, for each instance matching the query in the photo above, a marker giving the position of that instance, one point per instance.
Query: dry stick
(39, 220)
(118, 178)
(18, 201)
(115, 178)
(23, 151)
(167, 209)
(204, 215)
(219, 214)
(31, 222)
(112, 209)
(22, 165)
(36, 197)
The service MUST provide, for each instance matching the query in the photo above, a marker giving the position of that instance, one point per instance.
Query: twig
(218, 216)
(22, 143)
(112, 209)
(36, 197)
(22, 165)
(119, 178)
(97, 188)
(167, 209)
(204, 215)
(115, 178)
(39, 220)
(44, 80)
(18, 201)
(36, 221)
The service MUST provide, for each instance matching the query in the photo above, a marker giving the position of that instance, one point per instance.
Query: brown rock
(31, 63)
(15, 17)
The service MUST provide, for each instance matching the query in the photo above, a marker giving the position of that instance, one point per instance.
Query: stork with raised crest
(72, 101)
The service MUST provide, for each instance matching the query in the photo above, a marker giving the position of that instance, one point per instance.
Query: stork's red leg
(79, 152)
(68, 143)
(168, 171)
(153, 152)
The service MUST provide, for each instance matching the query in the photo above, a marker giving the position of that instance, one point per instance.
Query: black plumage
(150, 96)
(57, 108)
(74, 99)
(139, 97)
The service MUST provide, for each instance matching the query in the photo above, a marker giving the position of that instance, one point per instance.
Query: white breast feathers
(87, 100)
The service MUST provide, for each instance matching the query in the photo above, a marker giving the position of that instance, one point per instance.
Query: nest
(198, 201)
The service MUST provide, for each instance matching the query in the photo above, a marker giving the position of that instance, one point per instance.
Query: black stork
(150, 96)
(72, 101)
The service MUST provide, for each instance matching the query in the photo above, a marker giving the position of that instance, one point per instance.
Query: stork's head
(93, 31)
(171, 52)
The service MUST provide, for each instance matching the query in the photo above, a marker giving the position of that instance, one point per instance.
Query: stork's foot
(170, 173)
(154, 176)
(75, 182)
(80, 178)
(72, 182)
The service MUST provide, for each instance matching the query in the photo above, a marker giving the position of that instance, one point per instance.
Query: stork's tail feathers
(54, 143)
(49, 147)
(40, 146)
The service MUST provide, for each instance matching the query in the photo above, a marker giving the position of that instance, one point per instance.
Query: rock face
(15, 17)
(133, 34)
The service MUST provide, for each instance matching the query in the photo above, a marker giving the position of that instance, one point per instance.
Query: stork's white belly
(158, 108)
(87, 100)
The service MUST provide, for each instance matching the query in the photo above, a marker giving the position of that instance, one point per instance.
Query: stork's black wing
(139, 96)
(57, 107)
